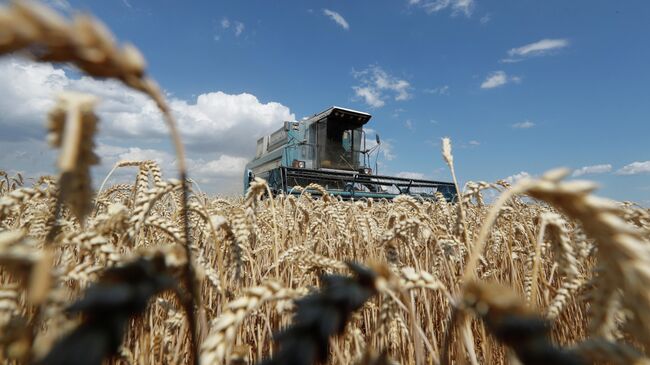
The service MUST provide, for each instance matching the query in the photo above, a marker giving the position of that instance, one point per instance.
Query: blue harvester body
(329, 149)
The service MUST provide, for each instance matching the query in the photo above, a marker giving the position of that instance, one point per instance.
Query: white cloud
(474, 143)
(495, 79)
(538, 48)
(512, 179)
(225, 165)
(338, 18)
(523, 125)
(163, 158)
(411, 175)
(223, 174)
(464, 7)
(215, 121)
(593, 169)
(634, 168)
(498, 78)
(440, 90)
(26, 94)
(485, 18)
(215, 126)
(239, 28)
(235, 26)
(370, 95)
(401, 88)
(511, 60)
(409, 125)
(377, 85)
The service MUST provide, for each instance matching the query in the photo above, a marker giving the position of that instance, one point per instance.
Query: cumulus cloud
(497, 79)
(370, 95)
(338, 18)
(377, 86)
(513, 179)
(220, 122)
(464, 7)
(219, 130)
(523, 125)
(539, 48)
(221, 175)
(635, 168)
(223, 166)
(27, 92)
(593, 169)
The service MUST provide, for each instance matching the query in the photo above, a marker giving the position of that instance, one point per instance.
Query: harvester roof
(346, 115)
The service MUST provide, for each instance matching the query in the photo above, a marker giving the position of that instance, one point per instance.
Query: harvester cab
(330, 149)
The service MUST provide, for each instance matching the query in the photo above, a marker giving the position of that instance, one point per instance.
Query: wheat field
(152, 272)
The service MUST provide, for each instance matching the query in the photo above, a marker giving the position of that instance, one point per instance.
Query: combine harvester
(329, 149)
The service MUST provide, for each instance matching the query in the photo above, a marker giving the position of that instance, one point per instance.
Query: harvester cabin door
(337, 145)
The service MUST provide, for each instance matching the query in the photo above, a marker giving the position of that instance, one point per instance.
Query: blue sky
(520, 86)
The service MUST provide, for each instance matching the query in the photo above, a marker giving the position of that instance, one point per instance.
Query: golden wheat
(560, 275)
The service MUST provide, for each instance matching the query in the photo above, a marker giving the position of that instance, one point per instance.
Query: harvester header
(330, 149)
